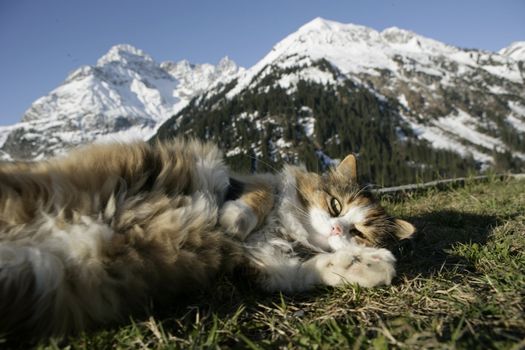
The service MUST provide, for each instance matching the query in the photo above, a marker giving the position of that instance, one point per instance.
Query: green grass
(460, 285)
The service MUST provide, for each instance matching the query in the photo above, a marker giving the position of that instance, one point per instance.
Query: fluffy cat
(88, 239)
(286, 218)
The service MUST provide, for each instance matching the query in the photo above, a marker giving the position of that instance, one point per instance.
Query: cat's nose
(337, 230)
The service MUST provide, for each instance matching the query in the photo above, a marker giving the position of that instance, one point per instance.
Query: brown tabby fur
(137, 190)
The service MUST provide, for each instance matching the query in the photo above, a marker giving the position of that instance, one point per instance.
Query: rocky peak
(515, 51)
(227, 65)
(124, 54)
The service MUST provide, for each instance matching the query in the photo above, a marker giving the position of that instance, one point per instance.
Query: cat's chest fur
(285, 225)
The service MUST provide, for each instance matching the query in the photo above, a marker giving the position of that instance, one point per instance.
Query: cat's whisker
(362, 189)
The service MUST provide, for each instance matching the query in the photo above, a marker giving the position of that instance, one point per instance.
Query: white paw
(237, 218)
(368, 267)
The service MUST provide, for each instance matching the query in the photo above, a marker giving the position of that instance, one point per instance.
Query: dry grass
(461, 285)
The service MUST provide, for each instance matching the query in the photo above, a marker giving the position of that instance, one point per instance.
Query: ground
(460, 285)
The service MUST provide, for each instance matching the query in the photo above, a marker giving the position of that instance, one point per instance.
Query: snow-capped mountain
(125, 95)
(196, 79)
(468, 101)
(397, 98)
(515, 51)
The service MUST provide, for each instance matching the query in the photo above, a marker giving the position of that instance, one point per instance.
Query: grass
(460, 285)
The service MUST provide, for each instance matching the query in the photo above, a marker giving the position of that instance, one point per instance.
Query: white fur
(55, 245)
(340, 242)
(211, 171)
(356, 214)
(368, 267)
(237, 218)
(286, 211)
(322, 222)
(16, 261)
(54, 250)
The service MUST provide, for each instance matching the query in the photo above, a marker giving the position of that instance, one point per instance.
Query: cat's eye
(335, 207)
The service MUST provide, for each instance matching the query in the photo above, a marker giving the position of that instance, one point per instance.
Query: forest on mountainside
(266, 128)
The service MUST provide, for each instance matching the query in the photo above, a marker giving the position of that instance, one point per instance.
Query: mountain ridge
(471, 102)
(125, 95)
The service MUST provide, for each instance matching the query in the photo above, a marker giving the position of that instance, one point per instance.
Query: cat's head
(335, 204)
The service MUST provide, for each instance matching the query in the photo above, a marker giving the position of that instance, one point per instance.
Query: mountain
(515, 51)
(400, 100)
(125, 95)
(411, 107)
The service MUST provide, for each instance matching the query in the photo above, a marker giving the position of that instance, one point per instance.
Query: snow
(403, 100)
(517, 116)
(312, 74)
(249, 116)
(515, 51)
(517, 108)
(464, 58)
(4, 134)
(440, 139)
(357, 50)
(282, 144)
(126, 95)
(307, 120)
(308, 124)
(234, 152)
(442, 136)
(503, 71)
(498, 90)
(197, 78)
(463, 126)
(123, 53)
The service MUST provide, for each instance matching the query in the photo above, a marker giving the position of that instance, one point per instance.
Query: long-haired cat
(90, 238)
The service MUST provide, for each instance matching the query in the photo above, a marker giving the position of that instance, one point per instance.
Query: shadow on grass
(437, 232)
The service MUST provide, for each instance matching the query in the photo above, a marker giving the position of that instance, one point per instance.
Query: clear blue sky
(41, 41)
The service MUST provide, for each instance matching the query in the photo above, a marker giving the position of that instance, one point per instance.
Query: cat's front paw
(237, 219)
(368, 267)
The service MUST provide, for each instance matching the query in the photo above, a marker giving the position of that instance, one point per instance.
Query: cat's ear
(348, 167)
(404, 229)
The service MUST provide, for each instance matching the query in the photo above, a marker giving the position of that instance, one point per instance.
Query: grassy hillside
(460, 284)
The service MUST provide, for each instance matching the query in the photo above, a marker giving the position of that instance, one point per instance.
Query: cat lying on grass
(92, 237)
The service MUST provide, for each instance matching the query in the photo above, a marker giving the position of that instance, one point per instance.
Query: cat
(92, 237)
(284, 218)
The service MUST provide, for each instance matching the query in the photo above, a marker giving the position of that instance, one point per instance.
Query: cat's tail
(29, 280)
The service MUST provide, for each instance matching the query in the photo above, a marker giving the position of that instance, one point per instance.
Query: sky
(42, 41)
